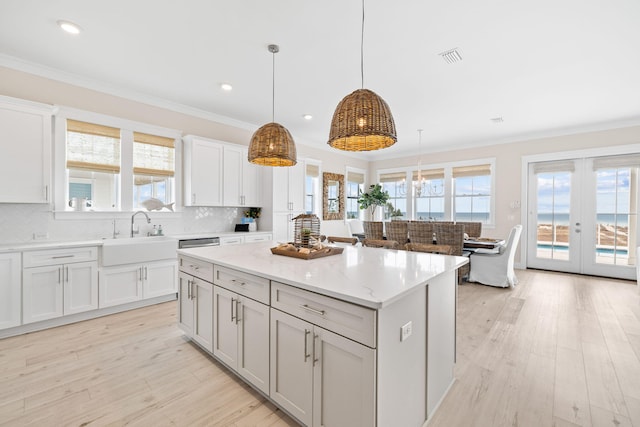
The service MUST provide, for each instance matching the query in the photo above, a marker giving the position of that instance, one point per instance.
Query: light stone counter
(33, 246)
(370, 277)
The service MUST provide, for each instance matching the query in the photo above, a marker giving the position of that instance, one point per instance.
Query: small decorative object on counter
(434, 239)
(160, 232)
(306, 230)
(251, 217)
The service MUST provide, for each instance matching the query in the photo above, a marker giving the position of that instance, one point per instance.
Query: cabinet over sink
(364, 338)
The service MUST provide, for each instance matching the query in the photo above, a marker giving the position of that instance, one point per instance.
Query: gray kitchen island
(362, 338)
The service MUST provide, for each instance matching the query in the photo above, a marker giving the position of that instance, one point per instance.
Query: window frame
(449, 194)
(362, 187)
(127, 128)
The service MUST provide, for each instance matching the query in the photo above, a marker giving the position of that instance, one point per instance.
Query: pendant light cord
(273, 88)
(362, 49)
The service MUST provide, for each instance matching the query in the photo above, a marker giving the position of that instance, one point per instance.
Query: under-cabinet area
(324, 359)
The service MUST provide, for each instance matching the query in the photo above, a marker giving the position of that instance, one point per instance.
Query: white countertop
(371, 277)
(46, 244)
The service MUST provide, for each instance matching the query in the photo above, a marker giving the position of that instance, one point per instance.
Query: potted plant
(375, 197)
(305, 234)
(251, 217)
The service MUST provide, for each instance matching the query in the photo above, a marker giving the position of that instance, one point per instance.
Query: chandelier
(421, 186)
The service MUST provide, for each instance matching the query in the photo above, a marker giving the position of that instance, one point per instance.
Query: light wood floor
(558, 350)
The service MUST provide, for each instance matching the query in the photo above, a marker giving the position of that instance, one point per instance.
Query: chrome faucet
(115, 232)
(133, 217)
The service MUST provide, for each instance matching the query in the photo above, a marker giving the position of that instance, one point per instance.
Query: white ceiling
(547, 66)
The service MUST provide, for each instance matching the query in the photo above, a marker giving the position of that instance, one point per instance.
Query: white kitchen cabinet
(241, 336)
(316, 374)
(10, 290)
(52, 289)
(241, 178)
(288, 188)
(251, 238)
(25, 163)
(196, 310)
(123, 284)
(288, 199)
(203, 177)
(196, 301)
(231, 240)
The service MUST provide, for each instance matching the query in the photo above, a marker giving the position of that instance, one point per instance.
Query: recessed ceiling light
(451, 56)
(226, 87)
(307, 116)
(497, 120)
(69, 27)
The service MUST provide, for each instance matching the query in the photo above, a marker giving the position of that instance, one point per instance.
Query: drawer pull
(313, 310)
(62, 256)
(306, 334)
(239, 283)
(195, 267)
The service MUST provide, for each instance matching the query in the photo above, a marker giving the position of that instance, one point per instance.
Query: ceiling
(545, 67)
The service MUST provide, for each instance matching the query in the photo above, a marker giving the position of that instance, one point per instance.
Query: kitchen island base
(334, 361)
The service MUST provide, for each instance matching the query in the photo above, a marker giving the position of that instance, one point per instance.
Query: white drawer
(231, 240)
(349, 320)
(250, 286)
(257, 238)
(197, 268)
(59, 256)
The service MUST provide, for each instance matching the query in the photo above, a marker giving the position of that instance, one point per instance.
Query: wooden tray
(328, 251)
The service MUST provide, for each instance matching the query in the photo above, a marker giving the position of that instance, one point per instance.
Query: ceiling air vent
(451, 56)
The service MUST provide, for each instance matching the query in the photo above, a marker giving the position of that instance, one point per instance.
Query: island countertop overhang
(370, 277)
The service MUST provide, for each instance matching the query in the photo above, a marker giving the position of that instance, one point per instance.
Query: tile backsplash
(24, 223)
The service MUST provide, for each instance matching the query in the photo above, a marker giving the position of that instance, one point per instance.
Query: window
(429, 200)
(395, 185)
(354, 186)
(93, 164)
(108, 164)
(153, 169)
(461, 191)
(312, 188)
(472, 199)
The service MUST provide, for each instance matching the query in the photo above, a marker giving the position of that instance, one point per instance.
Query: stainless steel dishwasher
(198, 242)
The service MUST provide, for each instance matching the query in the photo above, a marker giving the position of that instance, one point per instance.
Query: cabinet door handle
(233, 303)
(59, 271)
(46, 193)
(188, 289)
(313, 310)
(145, 273)
(193, 293)
(238, 307)
(306, 355)
(66, 269)
(315, 359)
(193, 199)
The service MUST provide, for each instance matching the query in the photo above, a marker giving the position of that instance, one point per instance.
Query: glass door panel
(554, 206)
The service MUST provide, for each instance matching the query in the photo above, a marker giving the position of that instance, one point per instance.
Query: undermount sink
(138, 249)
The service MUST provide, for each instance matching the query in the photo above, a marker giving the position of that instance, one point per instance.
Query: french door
(582, 215)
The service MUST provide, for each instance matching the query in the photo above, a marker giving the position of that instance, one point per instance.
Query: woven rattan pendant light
(272, 144)
(362, 120)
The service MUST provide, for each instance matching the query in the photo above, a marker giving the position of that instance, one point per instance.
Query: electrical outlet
(405, 331)
(40, 235)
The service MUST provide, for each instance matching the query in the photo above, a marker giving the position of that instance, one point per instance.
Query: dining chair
(497, 269)
(336, 239)
(355, 228)
(373, 230)
(397, 230)
(379, 243)
(420, 232)
(473, 229)
(434, 249)
(452, 235)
